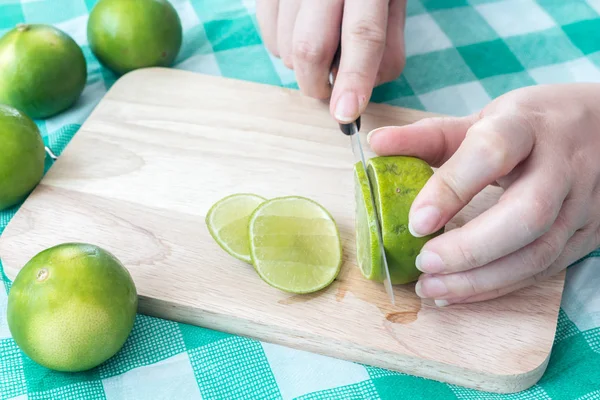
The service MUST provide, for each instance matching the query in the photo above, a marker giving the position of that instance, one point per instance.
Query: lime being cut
(396, 181)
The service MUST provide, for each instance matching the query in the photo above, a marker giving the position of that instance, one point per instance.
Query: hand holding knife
(352, 129)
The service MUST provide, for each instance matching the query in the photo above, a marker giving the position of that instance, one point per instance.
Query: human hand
(305, 34)
(541, 145)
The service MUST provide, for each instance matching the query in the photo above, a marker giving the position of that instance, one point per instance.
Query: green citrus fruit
(42, 70)
(130, 34)
(396, 181)
(295, 244)
(368, 255)
(22, 156)
(72, 307)
(227, 222)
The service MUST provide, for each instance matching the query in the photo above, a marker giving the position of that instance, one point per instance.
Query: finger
(502, 273)
(492, 148)
(286, 20)
(266, 16)
(432, 139)
(316, 37)
(518, 266)
(578, 246)
(527, 210)
(394, 55)
(363, 40)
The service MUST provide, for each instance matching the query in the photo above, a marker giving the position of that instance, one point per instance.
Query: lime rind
(397, 180)
(367, 251)
(270, 271)
(233, 245)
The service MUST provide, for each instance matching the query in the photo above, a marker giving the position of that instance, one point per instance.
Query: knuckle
(470, 260)
(368, 32)
(492, 147)
(539, 214)
(308, 52)
(543, 252)
(353, 76)
(471, 284)
(452, 186)
(542, 275)
(549, 248)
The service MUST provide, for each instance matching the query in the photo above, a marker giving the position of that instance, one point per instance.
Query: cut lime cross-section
(227, 222)
(295, 244)
(368, 255)
(396, 181)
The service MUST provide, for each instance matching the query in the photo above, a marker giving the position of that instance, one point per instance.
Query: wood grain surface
(164, 145)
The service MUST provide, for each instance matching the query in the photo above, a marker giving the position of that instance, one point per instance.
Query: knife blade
(352, 130)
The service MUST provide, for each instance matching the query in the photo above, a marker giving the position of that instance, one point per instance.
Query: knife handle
(352, 127)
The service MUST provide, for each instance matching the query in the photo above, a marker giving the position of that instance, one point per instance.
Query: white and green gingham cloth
(460, 55)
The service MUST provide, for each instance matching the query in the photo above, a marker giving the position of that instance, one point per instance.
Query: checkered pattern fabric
(460, 55)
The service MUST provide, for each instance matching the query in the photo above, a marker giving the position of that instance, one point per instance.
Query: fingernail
(418, 289)
(346, 109)
(373, 132)
(424, 221)
(429, 262)
(434, 287)
(441, 303)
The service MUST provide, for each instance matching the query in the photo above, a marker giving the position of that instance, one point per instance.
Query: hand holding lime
(22, 156)
(130, 34)
(72, 307)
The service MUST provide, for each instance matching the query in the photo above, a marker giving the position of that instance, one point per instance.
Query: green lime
(396, 181)
(22, 156)
(72, 307)
(227, 222)
(42, 70)
(295, 244)
(130, 34)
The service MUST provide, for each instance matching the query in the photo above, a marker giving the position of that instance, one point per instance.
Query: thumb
(433, 140)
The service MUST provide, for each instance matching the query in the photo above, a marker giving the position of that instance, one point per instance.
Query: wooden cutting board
(164, 145)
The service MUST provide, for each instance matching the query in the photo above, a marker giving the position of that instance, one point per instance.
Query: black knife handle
(348, 130)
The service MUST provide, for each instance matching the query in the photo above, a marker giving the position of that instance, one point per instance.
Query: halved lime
(396, 181)
(368, 255)
(295, 244)
(227, 222)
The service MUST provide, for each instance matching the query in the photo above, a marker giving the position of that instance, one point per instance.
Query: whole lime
(42, 70)
(72, 307)
(130, 34)
(22, 156)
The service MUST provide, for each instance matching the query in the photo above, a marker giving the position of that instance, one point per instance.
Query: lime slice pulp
(295, 244)
(367, 250)
(227, 222)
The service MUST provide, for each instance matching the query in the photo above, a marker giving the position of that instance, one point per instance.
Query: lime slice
(368, 256)
(227, 222)
(295, 244)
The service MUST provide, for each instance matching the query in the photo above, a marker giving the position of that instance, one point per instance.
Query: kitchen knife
(352, 130)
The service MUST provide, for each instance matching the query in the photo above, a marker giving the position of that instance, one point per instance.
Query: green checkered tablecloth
(460, 55)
